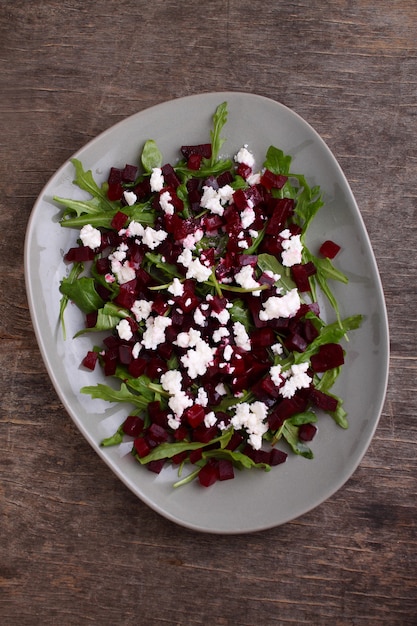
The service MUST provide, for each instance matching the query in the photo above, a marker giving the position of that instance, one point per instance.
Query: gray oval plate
(254, 500)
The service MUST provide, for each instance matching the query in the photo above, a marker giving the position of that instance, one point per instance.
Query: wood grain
(76, 547)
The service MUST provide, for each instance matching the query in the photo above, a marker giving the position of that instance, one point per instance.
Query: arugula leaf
(151, 156)
(104, 392)
(239, 459)
(103, 219)
(80, 207)
(268, 262)
(107, 319)
(219, 120)
(115, 439)
(290, 434)
(168, 450)
(331, 333)
(277, 162)
(82, 292)
(84, 180)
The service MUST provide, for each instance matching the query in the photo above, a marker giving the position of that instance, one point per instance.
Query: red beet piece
(141, 446)
(91, 319)
(300, 277)
(306, 432)
(202, 149)
(208, 474)
(79, 254)
(225, 469)
(90, 360)
(155, 466)
(329, 249)
(133, 426)
(195, 415)
(170, 177)
(194, 162)
(137, 367)
(280, 209)
(323, 400)
(196, 455)
(157, 433)
(273, 181)
(244, 170)
(115, 191)
(285, 409)
(330, 355)
(276, 457)
(119, 220)
(129, 173)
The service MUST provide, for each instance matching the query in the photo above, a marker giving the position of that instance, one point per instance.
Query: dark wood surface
(76, 547)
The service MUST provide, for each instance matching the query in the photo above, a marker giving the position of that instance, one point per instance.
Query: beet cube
(79, 254)
(129, 173)
(306, 432)
(155, 466)
(329, 249)
(208, 475)
(194, 162)
(329, 355)
(90, 360)
(195, 415)
(225, 469)
(141, 446)
(202, 149)
(273, 181)
(276, 457)
(133, 425)
(119, 220)
(115, 192)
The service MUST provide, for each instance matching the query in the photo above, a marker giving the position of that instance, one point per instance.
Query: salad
(197, 279)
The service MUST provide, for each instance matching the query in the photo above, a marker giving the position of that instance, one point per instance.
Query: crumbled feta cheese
(136, 349)
(188, 339)
(109, 278)
(152, 238)
(245, 278)
(171, 381)
(277, 348)
(223, 316)
(202, 397)
(166, 204)
(292, 251)
(298, 379)
(135, 229)
(155, 331)
(228, 352)
(141, 309)
(199, 318)
(252, 418)
(275, 373)
(198, 359)
(124, 272)
(210, 419)
(220, 389)
(220, 333)
(243, 244)
(244, 156)
(130, 197)
(176, 287)
(254, 179)
(90, 236)
(198, 271)
(281, 306)
(193, 238)
(210, 200)
(157, 179)
(225, 194)
(124, 330)
(242, 339)
(179, 401)
(247, 216)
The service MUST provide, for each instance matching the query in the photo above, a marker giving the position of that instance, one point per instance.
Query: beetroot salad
(199, 275)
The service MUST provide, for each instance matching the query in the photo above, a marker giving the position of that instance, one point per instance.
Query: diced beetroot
(127, 294)
(125, 354)
(137, 367)
(102, 266)
(264, 337)
(323, 400)
(181, 433)
(119, 220)
(160, 305)
(142, 189)
(115, 192)
(202, 149)
(155, 466)
(90, 360)
(285, 409)
(208, 474)
(211, 222)
(273, 181)
(157, 433)
(306, 432)
(329, 249)
(257, 456)
(329, 355)
(310, 332)
(295, 343)
(141, 446)
(244, 170)
(156, 367)
(300, 277)
(133, 425)
(177, 459)
(195, 415)
(91, 319)
(225, 469)
(129, 173)
(276, 457)
(280, 209)
(115, 175)
(80, 254)
(196, 455)
(235, 441)
(240, 199)
(204, 434)
(194, 162)
(110, 358)
(170, 177)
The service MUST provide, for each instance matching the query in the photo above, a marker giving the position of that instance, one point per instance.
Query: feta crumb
(220, 389)
(247, 216)
(281, 306)
(292, 251)
(124, 330)
(245, 278)
(242, 339)
(210, 419)
(155, 331)
(136, 349)
(251, 417)
(277, 348)
(166, 204)
(220, 333)
(152, 238)
(275, 373)
(199, 318)
(130, 197)
(298, 379)
(141, 309)
(202, 397)
(176, 287)
(157, 179)
(198, 359)
(223, 316)
(228, 352)
(198, 271)
(244, 156)
(90, 236)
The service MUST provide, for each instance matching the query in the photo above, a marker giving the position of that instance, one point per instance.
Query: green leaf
(84, 180)
(219, 120)
(268, 262)
(308, 417)
(76, 270)
(168, 450)
(81, 207)
(290, 434)
(239, 313)
(137, 212)
(277, 162)
(104, 392)
(115, 439)
(107, 318)
(331, 333)
(82, 292)
(239, 459)
(151, 156)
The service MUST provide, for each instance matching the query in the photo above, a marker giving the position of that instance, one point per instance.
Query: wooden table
(76, 547)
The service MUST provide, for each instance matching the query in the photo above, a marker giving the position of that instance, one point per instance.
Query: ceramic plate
(255, 500)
